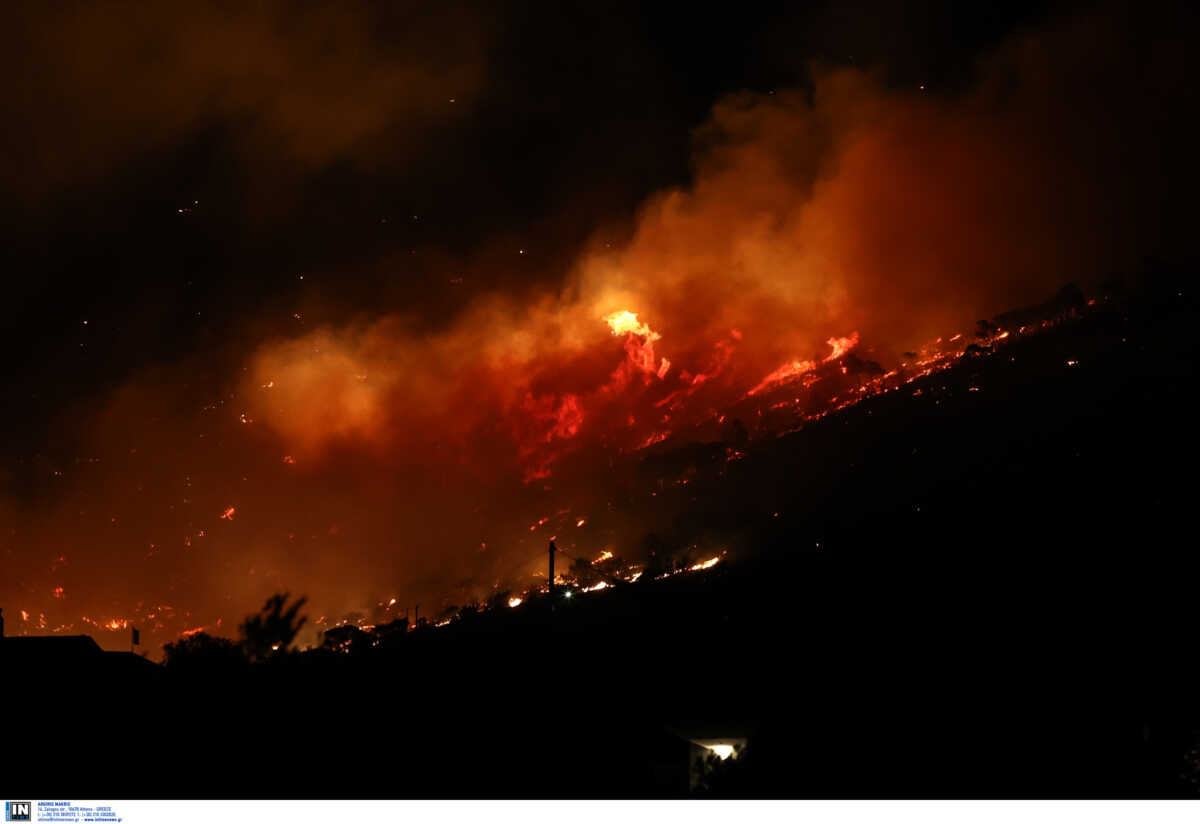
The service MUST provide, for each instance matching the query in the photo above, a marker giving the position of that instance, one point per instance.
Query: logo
(17, 811)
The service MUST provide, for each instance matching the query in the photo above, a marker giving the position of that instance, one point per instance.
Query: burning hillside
(576, 456)
(831, 244)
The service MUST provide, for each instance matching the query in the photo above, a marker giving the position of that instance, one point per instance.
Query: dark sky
(565, 116)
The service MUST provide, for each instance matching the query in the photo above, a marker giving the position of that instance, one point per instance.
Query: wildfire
(626, 322)
(841, 346)
(709, 564)
(784, 374)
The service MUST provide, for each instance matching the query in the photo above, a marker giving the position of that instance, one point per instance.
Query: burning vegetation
(832, 245)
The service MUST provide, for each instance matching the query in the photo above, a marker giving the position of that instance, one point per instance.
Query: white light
(722, 751)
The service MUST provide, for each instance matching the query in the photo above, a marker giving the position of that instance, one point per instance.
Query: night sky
(415, 216)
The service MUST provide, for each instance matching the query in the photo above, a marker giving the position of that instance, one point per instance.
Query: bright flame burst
(626, 322)
(841, 346)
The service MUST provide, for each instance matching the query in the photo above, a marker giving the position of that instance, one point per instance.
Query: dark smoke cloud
(297, 85)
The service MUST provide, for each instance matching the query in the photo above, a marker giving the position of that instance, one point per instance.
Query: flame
(626, 322)
(784, 374)
(841, 346)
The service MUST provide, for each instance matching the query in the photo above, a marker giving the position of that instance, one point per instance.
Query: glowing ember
(515, 602)
(227, 515)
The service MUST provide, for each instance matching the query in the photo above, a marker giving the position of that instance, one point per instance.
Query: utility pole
(553, 549)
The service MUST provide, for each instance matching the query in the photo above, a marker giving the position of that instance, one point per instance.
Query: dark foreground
(983, 593)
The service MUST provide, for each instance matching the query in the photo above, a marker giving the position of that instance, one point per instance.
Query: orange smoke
(897, 214)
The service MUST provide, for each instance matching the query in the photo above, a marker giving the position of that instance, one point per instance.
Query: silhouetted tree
(724, 777)
(391, 633)
(347, 638)
(272, 630)
(469, 611)
(584, 573)
(204, 654)
(858, 366)
(499, 599)
(654, 548)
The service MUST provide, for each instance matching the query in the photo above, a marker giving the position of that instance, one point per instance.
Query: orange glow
(828, 231)
(841, 346)
(784, 374)
(626, 322)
